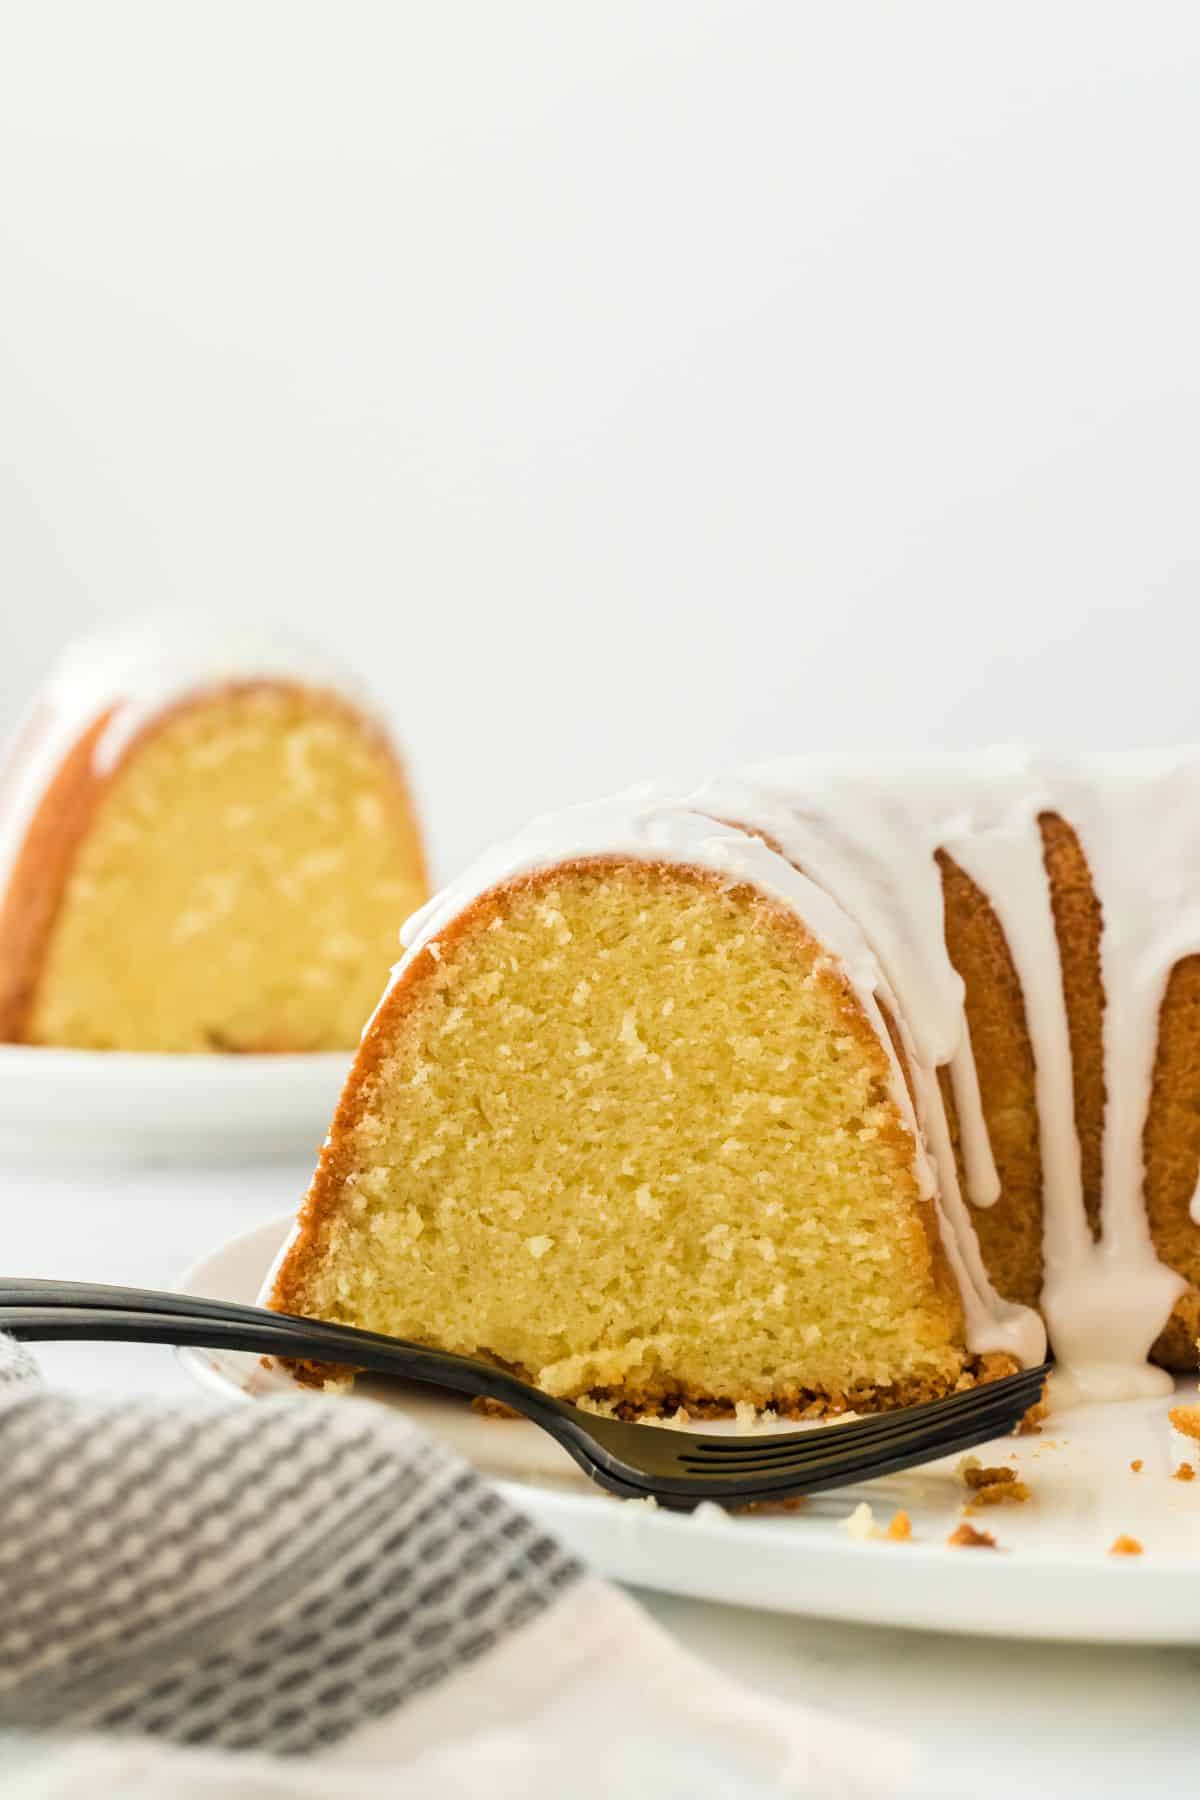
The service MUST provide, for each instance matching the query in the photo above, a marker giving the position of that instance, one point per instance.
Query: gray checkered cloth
(310, 1597)
(262, 1576)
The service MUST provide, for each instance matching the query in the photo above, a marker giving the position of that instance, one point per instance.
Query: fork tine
(919, 1451)
(846, 1472)
(836, 1466)
(999, 1399)
(868, 1429)
(983, 1428)
(841, 1471)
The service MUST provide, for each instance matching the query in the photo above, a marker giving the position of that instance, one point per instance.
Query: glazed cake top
(864, 831)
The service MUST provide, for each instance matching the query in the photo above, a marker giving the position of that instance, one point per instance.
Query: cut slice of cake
(633, 1121)
(206, 844)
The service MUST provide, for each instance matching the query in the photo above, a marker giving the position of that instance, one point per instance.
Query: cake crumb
(793, 1504)
(976, 1476)
(1136, 1465)
(749, 1417)
(1031, 1424)
(714, 1514)
(1184, 1472)
(1000, 1493)
(991, 1487)
(965, 1537)
(1186, 1419)
(1124, 1546)
(899, 1527)
(679, 1420)
(860, 1524)
(487, 1408)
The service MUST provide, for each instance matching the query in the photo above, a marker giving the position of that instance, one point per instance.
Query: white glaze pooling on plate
(136, 671)
(649, 824)
(867, 830)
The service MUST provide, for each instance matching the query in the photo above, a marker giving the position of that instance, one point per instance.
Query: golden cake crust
(39, 877)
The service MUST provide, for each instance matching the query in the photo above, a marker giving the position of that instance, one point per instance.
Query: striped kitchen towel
(297, 1597)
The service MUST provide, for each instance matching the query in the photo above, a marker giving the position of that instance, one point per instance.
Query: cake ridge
(1105, 1303)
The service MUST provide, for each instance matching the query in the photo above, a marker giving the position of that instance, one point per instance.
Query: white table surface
(1056, 1720)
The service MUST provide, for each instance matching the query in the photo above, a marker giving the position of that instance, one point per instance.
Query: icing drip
(1139, 826)
(1008, 866)
(1142, 843)
(983, 1177)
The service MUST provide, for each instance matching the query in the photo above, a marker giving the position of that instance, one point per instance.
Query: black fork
(679, 1469)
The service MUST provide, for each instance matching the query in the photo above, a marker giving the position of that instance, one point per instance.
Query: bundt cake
(206, 844)
(805, 1087)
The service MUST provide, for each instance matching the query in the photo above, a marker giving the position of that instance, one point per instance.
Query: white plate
(116, 1106)
(1052, 1577)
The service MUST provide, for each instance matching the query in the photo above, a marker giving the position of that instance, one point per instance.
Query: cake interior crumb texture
(239, 886)
(626, 1131)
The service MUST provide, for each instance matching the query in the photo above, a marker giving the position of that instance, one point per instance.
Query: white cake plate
(1051, 1576)
(117, 1107)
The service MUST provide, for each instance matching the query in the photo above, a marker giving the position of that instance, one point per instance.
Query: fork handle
(28, 1291)
(154, 1318)
(339, 1343)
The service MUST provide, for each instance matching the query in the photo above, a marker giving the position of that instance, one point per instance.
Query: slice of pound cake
(206, 842)
(637, 1118)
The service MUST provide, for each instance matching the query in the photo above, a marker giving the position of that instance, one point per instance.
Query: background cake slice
(206, 844)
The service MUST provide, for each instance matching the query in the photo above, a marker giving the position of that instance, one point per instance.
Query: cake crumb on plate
(965, 1537)
(992, 1487)
(1000, 1493)
(976, 1476)
(1186, 1419)
(860, 1524)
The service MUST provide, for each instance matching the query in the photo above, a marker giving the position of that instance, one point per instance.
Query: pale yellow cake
(228, 877)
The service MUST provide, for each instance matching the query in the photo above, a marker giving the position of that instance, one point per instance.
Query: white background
(629, 387)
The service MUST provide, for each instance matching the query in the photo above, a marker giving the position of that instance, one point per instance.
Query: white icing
(649, 824)
(983, 1177)
(859, 838)
(135, 671)
(868, 831)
